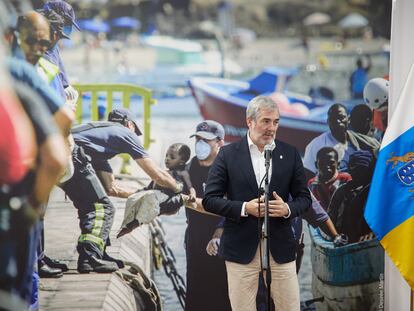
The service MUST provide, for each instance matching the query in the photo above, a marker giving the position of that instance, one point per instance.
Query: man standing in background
(206, 275)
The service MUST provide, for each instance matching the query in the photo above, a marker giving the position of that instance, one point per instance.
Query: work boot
(46, 272)
(118, 262)
(93, 264)
(54, 263)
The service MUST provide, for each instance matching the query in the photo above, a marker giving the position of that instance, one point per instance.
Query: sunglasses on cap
(33, 41)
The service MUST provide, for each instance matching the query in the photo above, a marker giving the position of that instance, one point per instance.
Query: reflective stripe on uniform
(48, 70)
(98, 223)
(91, 238)
(99, 219)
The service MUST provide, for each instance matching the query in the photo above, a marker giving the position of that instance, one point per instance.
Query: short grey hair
(260, 102)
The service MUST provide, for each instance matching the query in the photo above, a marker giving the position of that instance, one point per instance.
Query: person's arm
(197, 205)
(52, 156)
(214, 244)
(64, 118)
(329, 228)
(52, 162)
(158, 175)
(185, 178)
(112, 188)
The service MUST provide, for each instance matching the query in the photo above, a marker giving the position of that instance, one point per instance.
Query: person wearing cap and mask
(93, 181)
(232, 191)
(206, 275)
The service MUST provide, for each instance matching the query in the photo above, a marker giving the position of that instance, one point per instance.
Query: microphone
(268, 149)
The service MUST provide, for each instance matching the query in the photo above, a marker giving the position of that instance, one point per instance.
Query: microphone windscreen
(269, 147)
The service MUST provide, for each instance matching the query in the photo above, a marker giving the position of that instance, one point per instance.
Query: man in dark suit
(232, 191)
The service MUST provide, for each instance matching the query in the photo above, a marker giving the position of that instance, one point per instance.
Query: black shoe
(48, 272)
(118, 262)
(93, 264)
(53, 263)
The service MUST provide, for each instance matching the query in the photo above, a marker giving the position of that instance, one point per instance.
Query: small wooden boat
(350, 278)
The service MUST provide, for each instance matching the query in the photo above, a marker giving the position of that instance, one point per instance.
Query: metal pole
(266, 253)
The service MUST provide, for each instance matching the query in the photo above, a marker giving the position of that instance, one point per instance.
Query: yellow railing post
(109, 103)
(127, 90)
(94, 107)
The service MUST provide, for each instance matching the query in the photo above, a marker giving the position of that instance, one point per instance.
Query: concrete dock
(89, 291)
(92, 291)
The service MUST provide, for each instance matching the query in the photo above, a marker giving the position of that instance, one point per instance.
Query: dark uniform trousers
(95, 210)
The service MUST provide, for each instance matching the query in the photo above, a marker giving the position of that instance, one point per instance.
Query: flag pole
(411, 301)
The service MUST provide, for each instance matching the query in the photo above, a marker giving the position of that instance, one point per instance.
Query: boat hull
(348, 277)
(295, 131)
(365, 297)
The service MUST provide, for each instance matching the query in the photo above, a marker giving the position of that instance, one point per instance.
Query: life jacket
(47, 70)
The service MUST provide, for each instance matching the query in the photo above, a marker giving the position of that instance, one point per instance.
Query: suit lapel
(246, 164)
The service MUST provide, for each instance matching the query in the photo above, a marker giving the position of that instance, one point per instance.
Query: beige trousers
(243, 285)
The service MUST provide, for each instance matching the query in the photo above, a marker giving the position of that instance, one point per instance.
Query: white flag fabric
(397, 291)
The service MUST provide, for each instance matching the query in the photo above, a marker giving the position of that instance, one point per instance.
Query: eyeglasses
(43, 42)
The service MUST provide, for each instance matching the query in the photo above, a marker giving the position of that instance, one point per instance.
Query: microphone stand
(266, 253)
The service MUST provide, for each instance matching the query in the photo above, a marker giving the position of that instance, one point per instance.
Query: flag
(397, 292)
(389, 210)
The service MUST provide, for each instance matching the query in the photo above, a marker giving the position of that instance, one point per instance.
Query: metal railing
(127, 90)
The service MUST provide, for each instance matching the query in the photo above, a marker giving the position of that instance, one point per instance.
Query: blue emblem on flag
(406, 173)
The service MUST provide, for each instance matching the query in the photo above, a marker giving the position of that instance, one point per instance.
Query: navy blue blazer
(231, 181)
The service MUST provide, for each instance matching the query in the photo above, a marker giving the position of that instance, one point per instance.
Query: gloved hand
(71, 97)
(340, 240)
(213, 247)
(179, 188)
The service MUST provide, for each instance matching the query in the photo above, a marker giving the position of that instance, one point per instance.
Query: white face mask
(202, 150)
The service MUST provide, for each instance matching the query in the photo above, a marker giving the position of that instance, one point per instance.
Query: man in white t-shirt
(344, 141)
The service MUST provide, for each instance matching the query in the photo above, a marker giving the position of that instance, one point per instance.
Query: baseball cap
(64, 9)
(120, 115)
(56, 21)
(209, 129)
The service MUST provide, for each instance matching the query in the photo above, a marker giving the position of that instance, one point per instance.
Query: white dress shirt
(258, 163)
